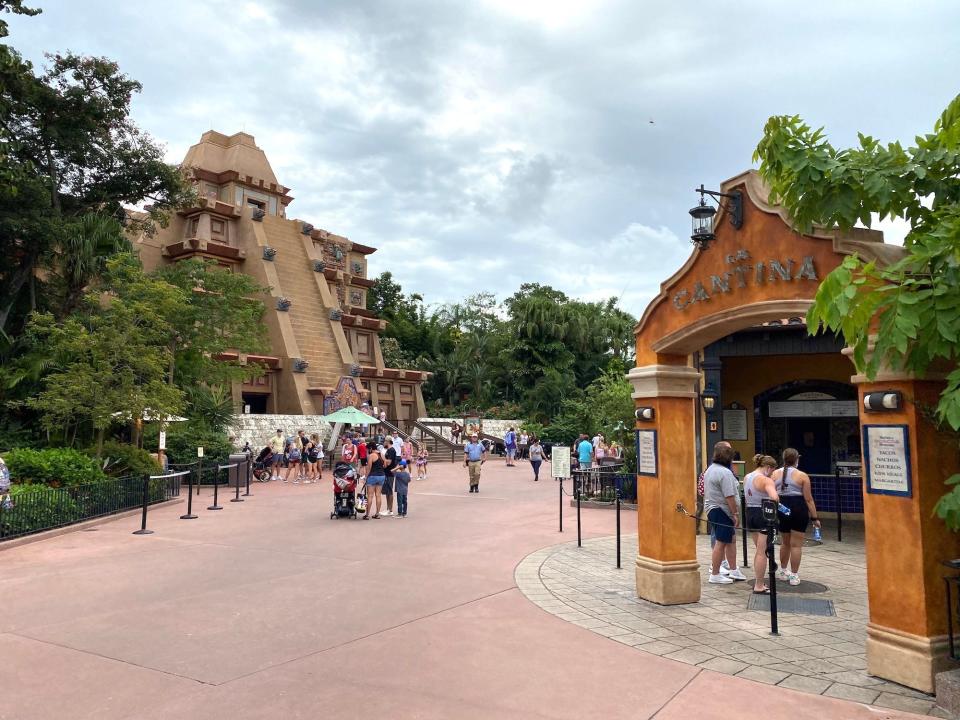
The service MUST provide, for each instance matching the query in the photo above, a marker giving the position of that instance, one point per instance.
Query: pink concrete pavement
(268, 609)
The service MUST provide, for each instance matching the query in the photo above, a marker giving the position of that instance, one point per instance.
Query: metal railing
(601, 483)
(40, 507)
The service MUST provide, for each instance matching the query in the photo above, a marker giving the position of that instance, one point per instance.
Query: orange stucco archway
(763, 271)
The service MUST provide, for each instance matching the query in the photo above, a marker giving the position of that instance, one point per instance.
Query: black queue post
(190, 515)
(561, 504)
(578, 489)
(769, 508)
(146, 499)
(249, 472)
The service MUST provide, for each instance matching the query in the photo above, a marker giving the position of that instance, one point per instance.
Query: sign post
(560, 469)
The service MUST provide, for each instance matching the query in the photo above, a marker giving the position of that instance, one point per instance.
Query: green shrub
(119, 459)
(183, 438)
(54, 467)
(37, 507)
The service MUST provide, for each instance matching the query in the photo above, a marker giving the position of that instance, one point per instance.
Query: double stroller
(262, 465)
(344, 491)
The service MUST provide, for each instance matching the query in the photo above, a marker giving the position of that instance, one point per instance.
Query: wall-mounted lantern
(703, 214)
(709, 398)
(883, 401)
(645, 414)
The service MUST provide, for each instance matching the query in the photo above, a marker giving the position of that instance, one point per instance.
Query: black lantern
(702, 216)
(709, 397)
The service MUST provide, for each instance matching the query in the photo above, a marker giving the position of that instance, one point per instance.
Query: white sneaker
(724, 571)
(724, 565)
(720, 580)
(794, 579)
(388, 513)
(782, 574)
(735, 574)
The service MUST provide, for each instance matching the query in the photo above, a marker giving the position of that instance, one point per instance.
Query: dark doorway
(811, 438)
(257, 403)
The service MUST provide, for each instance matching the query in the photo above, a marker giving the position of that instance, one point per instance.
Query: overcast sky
(484, 144)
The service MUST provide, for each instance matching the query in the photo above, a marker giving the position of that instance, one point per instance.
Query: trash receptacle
(238, 475)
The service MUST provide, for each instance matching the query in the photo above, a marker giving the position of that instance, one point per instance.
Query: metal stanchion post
(236, 495)
(189, 515)
(250, 472)
(216, 487)
(199, 475)
(578, 489)
(618, 526)
(146, 497)
(769, 508)
(836, 497)
(561, 504)
(743, 525)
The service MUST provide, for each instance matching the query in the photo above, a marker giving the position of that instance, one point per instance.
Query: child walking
(401, 480)
(422, 457)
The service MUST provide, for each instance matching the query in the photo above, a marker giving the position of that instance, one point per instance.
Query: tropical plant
(904, 315)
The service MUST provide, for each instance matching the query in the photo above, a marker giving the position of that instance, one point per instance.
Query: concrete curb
(92, 522)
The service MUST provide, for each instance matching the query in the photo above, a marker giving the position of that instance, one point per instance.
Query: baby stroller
(262, 463)
(344, 491)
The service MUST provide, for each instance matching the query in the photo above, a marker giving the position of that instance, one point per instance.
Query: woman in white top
(757, 486)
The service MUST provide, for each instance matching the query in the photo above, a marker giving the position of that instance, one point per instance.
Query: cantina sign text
(742, 271)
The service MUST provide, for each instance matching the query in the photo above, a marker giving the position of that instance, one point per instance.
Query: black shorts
(755, 520)
(799, 516)
(363, 462)
(387, 486)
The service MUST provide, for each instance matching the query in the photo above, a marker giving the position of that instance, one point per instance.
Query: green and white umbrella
(350, 415)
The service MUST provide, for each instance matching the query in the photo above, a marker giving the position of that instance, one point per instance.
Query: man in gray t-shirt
(720, 494)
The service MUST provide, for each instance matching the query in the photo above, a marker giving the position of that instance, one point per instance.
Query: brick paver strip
(819, 655)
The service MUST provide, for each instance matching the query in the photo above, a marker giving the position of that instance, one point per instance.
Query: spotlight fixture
(645, 413)
(883, 401)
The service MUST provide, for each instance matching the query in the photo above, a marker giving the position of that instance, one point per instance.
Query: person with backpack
(510, 446)
(314, 459)
(293, 462)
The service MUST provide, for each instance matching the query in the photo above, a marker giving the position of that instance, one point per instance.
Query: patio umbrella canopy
(350, 415)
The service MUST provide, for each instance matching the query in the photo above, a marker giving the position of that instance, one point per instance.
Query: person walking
(757, 486)
(510, 446)
(406, 451)
(535, 450)
(375, 481)
(401, 480)
(455, 431)
(398, 445)
(362, 456)
(720, 502)
(390, 461)
(474, 455)
(793, 486)
(584, 452)
(276, 445)
(423, 457)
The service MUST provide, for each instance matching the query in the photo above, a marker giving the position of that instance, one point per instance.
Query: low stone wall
(492, 427)
(258, 429)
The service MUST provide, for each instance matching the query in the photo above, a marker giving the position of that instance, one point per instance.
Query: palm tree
(81, 253)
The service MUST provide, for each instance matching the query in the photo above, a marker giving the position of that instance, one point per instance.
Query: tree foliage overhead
(532, 352)
(905, 315)
(68, 148)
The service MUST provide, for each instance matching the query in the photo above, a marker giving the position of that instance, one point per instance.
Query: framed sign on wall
(886, 458)
(735, 422)
(647, 458)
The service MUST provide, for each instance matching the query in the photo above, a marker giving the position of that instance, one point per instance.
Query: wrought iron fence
(601, 483)
(39, 507)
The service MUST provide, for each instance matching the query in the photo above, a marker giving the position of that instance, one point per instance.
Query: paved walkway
(268, 609)
(814, 654)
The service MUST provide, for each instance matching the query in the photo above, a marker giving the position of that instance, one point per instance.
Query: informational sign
(813, 408)
(162, 441)
(647, 453)
(734, 423)
(560, 461)
(199, 452)
(887, 459)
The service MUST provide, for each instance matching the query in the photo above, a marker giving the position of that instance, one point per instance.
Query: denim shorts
(375, 480)
(722, 525)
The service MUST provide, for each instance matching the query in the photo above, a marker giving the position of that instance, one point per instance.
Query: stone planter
(300, 365)
(283, 304)
(269, 253)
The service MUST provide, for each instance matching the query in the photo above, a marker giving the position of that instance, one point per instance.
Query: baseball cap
(403, 463)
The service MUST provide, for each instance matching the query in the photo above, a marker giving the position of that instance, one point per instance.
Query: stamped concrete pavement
(269, 609)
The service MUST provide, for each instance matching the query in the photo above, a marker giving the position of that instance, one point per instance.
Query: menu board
(887, 459)
(813, 408)
(560, 461)
(735, 423)
(647, 452)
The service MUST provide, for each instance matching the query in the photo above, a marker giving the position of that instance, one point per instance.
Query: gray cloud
(483, 144)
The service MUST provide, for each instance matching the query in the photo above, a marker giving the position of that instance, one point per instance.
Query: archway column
(667, 571)
(905, 542)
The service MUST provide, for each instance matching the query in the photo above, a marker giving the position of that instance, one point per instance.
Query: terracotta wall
(743, 378)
